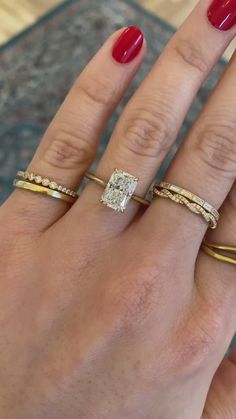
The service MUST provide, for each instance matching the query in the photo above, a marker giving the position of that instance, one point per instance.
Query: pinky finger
(221, 401)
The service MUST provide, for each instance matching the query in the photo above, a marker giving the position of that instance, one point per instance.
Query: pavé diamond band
(40, 180)
(118, 190)
(193, 202)
(38, 184)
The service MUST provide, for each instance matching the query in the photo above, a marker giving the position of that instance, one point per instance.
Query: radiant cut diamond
(119, 190)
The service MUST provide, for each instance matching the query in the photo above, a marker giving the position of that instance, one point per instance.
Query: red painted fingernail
(222, 14)
(128, 45)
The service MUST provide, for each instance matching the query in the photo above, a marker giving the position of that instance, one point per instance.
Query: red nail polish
(222, 14)
(128, 45)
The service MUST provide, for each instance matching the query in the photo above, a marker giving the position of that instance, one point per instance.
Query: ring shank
(21, 184)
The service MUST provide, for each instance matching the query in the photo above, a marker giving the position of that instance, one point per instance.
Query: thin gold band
(102, 183)
(192, 206)
(219, 246)
(211, 250)
(190, 196)
(51, 184)
(22, 184)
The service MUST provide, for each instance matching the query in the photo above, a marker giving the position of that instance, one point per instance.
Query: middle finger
(152, 118)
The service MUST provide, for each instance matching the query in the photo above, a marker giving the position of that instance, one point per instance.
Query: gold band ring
(193, 202)
(22, 184)
(221, 252)
(191, 196)
(40, 180)
(104, 184)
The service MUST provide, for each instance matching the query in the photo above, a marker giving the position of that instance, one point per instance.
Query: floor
(15, 15)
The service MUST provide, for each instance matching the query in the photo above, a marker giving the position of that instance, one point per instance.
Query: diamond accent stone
(52, 185)
(60, 188)
(31, 176)
(119, 190)
(45, 182)
(207, 206)
(174, 188)
(199, 200)
(38, 179)
(64, 189)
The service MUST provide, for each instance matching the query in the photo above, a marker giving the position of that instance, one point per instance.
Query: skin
(107, 315)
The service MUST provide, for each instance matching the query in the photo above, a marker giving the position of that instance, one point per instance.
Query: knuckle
(69, 148)
(191, 54)
(149, 131)
(197, 339)
(96, 91)
(216, 148)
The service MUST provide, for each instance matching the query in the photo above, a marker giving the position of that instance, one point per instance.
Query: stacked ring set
(120, 189)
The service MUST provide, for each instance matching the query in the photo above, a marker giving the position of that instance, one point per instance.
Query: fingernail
(128, 45)
(222, 14)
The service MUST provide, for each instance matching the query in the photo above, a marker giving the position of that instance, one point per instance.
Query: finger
(221, 400)
(70, 143)
(226, 230)
(150, 122)
(222, 281)
(206, 163)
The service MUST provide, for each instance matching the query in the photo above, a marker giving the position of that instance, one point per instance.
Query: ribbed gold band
(102, 183)
(22, 184)
(221, 252)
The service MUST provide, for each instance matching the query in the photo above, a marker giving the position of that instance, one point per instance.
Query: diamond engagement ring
(118, 190)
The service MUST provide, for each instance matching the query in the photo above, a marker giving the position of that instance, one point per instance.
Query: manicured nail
(128, 45)
(222, 14)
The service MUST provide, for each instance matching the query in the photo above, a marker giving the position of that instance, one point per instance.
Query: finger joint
(148, 132)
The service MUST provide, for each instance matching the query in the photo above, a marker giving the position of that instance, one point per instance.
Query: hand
(109, 315)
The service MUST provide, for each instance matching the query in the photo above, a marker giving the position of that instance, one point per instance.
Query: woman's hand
(109, 315)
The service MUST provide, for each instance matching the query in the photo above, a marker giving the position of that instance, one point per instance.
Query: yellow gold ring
(51, 184)
(221, 252)
(193, 202)
(22, 184)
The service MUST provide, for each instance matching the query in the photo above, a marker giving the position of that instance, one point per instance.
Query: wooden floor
(16, 15)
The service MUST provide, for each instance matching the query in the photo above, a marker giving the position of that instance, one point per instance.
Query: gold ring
(193, 202)
(191, 196)
(118, 190)
(221, 252)
(22, 184)
(51, 184)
